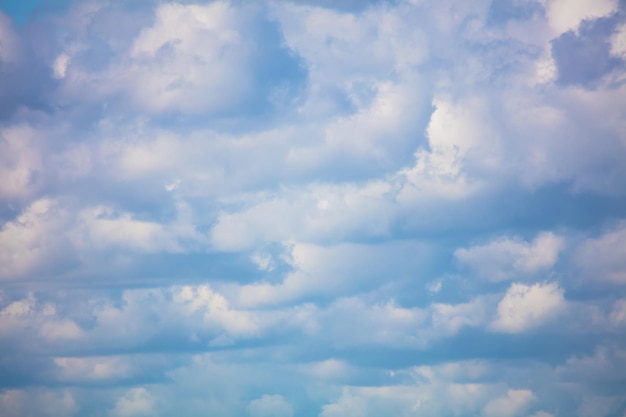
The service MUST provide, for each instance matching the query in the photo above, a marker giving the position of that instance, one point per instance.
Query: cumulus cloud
(136, 402)
(315, 268)
(432, 395)
(602, 258)
(526, 306)
(313, 208)
(21, 163)
(193, 59)
(20, 402)
(567, 15)
(51, 235)
(618, 45)
(618, 313)
(512, 404)
(506, 258)
(270, 405)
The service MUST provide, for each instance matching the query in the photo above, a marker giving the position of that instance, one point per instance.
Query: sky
(313, 208)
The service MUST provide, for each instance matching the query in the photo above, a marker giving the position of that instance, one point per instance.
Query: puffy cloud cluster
(313, 208)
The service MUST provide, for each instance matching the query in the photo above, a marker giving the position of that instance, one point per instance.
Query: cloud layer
(313, 208)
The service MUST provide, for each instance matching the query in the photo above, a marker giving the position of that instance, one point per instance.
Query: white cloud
(565, 15)
(328, 370)
(136, 402)
(603, 258)
(336, 269)
(102, 227)
(541, 414)
(270, 406)
(20, 162)
(32, 320)
(607, 363)
(351, 322)
(31, 241)
(49, 234)
(393, 43)
(93, 368)
(618, 41)
(10, 45)
(59, 67)
(431, 396)
(545, 67)
(296, 215)
(33, 401)
(598, 406)
(450, 318)
(461, 130)
(618, 313)
(216, 310)
(193, 59)
(506, 258)
(164, 135)
(513, 404)
(526, 306)
(459, 136)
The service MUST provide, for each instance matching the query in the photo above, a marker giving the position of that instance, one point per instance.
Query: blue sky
(313, 208)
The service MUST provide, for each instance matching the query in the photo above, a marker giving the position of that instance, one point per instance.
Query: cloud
(526, 306)
(602, 258)
(315, 268)
(512, 404)
(136, 402)
(19, 402)
(303, 208)
(216, 310)
(52, 235)
(92, 368)
(506, 258)
(22, 240)
(566, 15)
(270, 405)
(59, 68)
(9, 49)
(618, 314)
(618, 45)
(585, 58)
(190, 59)
(432, 394)
(20, 171)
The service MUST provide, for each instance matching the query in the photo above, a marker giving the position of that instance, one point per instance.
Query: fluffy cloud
(512, 404)
(432, 394)
(21, 163)
(313, 208)
(193, 59)
(17, 402)
(504, 258)
(136, 402)
(51, 235)
(315, 270)
(567, 15)
(526, 306)
(270, 405)
(602, 258)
